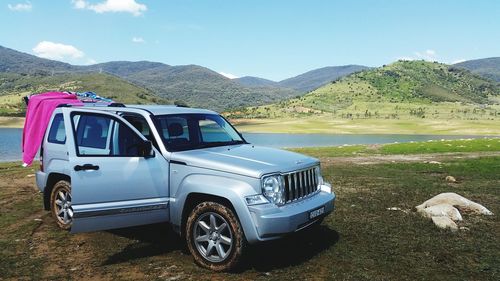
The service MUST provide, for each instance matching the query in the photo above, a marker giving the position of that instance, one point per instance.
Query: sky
(273, 39)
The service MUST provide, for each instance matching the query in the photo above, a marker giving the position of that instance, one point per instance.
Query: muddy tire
(60, 204)
(214, 237)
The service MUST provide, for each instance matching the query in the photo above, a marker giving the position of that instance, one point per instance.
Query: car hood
(245, 159)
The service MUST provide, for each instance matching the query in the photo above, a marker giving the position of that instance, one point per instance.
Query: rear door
(111, 185)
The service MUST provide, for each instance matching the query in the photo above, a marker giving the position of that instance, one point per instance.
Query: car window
(211, 131)
(194, 131)
(57, 132)
(97, 135)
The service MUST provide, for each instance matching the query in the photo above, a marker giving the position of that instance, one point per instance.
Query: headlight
(272, 188)
(318, 175)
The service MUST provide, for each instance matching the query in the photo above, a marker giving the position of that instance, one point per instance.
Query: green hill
(402, 90)
(191, 84)
(318, 77)
(488, 67)
(14, 86)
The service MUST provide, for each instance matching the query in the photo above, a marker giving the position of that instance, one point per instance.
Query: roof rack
(114, 104)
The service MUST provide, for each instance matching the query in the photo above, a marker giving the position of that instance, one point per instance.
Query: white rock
(434, 162)
(445, 223)
(450, 179)
(394, 209)
(460, 202)
(442, 210)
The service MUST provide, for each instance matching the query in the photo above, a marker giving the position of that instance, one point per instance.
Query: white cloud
(57, 51)
(79, 4)
(115, 6)
(138, 40)
(458, 61)
(228, 75)
(20, 7)
(428, 55)
(91, 61)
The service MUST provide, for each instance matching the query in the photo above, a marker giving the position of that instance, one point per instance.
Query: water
(10, 140)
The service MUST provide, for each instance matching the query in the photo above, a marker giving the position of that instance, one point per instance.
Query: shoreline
(435, 127)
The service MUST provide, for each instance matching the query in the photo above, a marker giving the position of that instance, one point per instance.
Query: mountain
(14, 86)
(191, 84)
(124, 68)
(404, 89)
(18, 62)
(316, 78)
(488, 67)
(196, 85)
(251, 81)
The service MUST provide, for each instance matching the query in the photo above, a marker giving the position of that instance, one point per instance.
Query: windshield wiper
(220, 143)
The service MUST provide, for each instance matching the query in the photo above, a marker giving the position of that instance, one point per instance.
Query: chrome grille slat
(300, 184)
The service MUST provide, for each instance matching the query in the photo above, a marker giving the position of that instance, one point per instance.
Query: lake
(10, 140)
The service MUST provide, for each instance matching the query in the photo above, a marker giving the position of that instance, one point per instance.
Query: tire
(60, 204)
(214, 237)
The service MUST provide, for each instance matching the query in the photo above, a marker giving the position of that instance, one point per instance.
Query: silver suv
(105, 167)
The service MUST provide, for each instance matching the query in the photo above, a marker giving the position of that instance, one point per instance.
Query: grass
(361, 240)
(433, 146)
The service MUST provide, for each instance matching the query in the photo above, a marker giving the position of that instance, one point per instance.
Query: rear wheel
(214, 236)
(60, 204)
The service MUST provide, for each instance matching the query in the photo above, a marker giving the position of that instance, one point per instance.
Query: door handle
(85, 167)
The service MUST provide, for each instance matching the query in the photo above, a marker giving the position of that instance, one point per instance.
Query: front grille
(300, 184)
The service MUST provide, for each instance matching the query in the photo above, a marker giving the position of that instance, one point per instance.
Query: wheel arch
(52, 179)
(195, 198)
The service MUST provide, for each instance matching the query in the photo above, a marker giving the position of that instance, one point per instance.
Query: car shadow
(294, 249)
(152, 240)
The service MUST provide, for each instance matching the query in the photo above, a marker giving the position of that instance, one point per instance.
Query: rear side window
(57, 132)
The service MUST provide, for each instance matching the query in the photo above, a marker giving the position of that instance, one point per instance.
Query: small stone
(37, 219)
(450, 179)
(74, 268)
(464, 228)
(177, 277)
(434, 162)
(394, 209)
(445, 223)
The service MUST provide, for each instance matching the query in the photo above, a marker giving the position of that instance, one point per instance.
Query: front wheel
(214, 236)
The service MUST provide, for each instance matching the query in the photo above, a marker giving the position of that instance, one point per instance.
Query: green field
(361, 240)
(433, 146)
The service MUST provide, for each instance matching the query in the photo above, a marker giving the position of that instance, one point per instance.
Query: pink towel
(38, 113)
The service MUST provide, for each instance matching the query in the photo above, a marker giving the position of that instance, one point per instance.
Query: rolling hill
(191, 84)
(304, 82)
(14, 86)
(316, 78)
(404, 89)
(488, 67)
(251, 81)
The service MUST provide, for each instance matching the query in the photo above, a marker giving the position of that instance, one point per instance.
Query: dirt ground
(32, 247)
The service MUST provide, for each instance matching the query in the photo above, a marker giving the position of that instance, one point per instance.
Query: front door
(111, 185)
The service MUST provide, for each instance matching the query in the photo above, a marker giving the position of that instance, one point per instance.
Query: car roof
(170, 109)
(154, 109)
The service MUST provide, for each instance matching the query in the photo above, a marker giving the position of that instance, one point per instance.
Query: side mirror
(146, 149)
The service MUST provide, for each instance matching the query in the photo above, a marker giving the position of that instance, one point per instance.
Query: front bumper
(272, 222)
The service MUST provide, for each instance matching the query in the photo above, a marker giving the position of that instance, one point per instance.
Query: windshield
(192, 131)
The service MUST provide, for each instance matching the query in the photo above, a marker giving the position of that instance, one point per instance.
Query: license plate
(315, 213)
